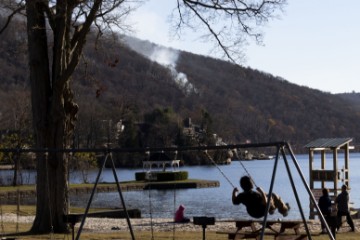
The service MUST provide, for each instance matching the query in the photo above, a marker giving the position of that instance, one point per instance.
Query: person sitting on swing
(256, 201)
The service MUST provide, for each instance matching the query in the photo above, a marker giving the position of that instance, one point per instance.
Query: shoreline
(161, 224)
(7, 167)
(12, 194)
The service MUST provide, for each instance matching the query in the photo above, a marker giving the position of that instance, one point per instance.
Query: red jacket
(179, 214)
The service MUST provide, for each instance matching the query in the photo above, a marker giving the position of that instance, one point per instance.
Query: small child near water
(179, 215)
(256, 201)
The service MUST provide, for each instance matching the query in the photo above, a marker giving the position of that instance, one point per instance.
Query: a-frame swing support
(281, 151)
(107, 156)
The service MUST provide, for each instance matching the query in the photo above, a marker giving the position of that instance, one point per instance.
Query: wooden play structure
(331, 176)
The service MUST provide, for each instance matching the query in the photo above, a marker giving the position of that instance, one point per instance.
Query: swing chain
(213, 162)
(243, 166)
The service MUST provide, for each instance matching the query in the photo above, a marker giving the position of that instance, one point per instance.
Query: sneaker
(285, 213)
(288, 206)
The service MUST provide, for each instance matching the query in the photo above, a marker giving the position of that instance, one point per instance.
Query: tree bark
(48, 129)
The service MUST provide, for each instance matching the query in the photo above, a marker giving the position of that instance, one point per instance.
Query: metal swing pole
(295, 193)
(91, 197)
(121, 197)
(174, 225)
(270, 193)
(309, 191)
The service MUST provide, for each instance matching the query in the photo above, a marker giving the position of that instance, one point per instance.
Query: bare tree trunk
(48, 130)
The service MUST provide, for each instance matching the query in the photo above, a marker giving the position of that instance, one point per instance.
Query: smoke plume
(165, 56)
(168, 58)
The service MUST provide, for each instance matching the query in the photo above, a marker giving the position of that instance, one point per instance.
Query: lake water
(215, 202)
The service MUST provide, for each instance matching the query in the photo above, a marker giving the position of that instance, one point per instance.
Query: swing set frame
(282, 150)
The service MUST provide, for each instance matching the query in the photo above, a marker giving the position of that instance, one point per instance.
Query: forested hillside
(353, 98)
(114, 82)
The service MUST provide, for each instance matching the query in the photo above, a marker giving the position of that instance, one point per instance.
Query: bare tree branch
(216, 35)
(9, 18)
(227, 23)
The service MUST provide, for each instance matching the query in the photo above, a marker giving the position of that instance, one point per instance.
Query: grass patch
(20, 230)
(16, 188)
(87, 185)
(144, 235)
(24, 210)
(30, 210)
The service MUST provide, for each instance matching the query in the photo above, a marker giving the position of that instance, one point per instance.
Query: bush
(163, 176)
(83, 162)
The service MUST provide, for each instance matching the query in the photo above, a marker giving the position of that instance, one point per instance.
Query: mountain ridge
(115, 82)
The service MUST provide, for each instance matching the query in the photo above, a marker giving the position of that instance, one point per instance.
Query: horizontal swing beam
(143, 150)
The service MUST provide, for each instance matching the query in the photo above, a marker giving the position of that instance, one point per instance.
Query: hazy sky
(314, 44)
